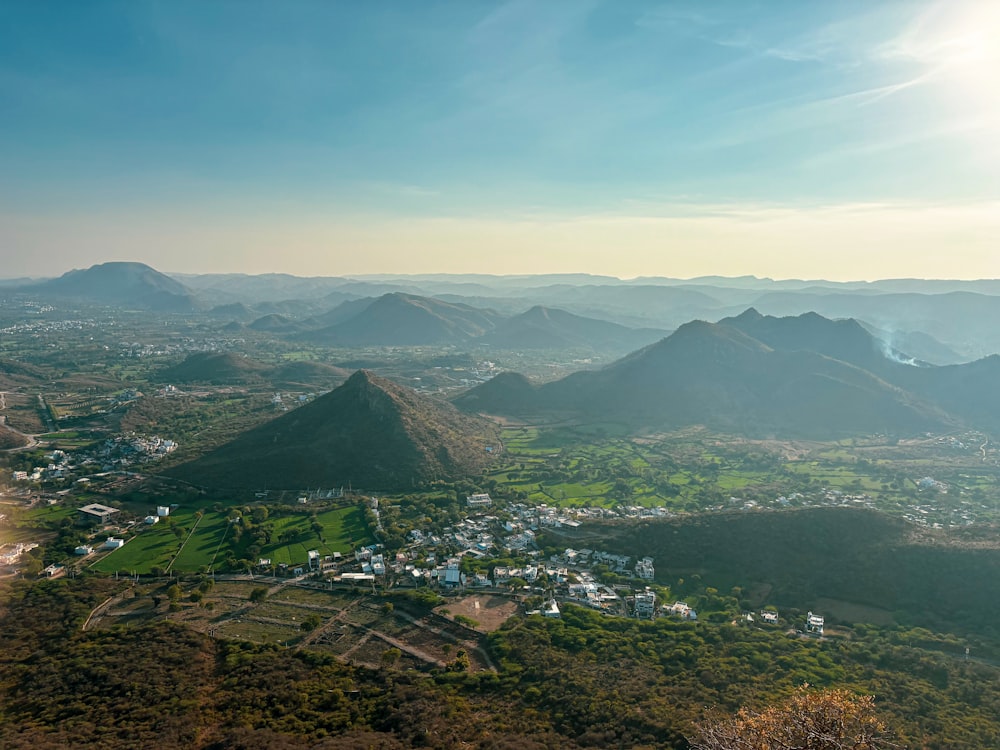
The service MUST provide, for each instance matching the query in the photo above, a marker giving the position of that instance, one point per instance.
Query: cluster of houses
(114, 453)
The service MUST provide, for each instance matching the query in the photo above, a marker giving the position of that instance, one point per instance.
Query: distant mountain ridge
(809, 377)
(120, 284)
(398, 319)
(551, 328)
(935, 320)
(369, 433)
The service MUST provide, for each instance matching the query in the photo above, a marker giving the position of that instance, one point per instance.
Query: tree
(809, 720)
(258, 595)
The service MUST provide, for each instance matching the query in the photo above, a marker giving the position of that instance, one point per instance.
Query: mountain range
(369, 433)
(937, 321)
(805, 376)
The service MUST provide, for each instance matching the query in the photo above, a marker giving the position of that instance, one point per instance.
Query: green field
(151, 547)
(206, 542)
(343, 530)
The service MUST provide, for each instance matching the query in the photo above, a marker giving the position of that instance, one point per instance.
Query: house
(682, 610)
(453, 573)
(814, 623)
(768, 616)
(480, 579)
(644, 568)
(551, 609)
(314, 561)
(83, 549)
(112, 543)
(162, 511)
(501, 574)
(150, 520)
(645, 604)
(479, 501)
(96, 513)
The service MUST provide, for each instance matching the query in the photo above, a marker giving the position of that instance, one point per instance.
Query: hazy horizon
(842, 142)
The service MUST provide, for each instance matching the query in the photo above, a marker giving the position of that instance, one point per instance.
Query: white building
(479, 501)
(645, 604)
(814, 623)
(644, 568)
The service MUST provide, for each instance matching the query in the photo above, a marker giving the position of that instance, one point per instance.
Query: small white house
(112, 543)
(482, 500)
(162, 511)
(150, 520)
(83, 549)
(814, 623)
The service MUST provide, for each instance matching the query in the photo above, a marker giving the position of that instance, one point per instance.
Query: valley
(476, 522)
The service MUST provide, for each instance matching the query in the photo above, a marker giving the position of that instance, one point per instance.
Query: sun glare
(960, 45)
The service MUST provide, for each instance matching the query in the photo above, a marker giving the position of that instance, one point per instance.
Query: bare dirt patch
(489, 611)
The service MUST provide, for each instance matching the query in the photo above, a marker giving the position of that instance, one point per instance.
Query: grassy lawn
(151, 547)
(200, 550)
(343, 529)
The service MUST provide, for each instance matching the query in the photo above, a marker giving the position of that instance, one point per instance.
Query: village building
(479, 501)
(96, 513)
(644, 568)
(645, 604)
(814, 623)
(682, 610)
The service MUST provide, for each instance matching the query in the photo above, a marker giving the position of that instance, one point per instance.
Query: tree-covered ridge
(585, 681)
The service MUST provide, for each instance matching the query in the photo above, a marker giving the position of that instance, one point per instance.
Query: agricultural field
(196, 539)
(695, 470)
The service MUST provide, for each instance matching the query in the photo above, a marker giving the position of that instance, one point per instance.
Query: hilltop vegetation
(368, 433)
(585, 681)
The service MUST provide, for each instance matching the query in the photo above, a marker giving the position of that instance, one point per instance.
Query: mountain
(845, 339)
(398, 319)
(963, 321)
(507, 393)
(275, 323)
(719, 376)
(369, 433)
(122, 285)
(549, 328)
(226, 368)
(214, 367)
(966, 390)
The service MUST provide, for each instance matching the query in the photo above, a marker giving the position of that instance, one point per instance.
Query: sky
(846, 140)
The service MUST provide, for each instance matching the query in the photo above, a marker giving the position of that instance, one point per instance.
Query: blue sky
(842, 140)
